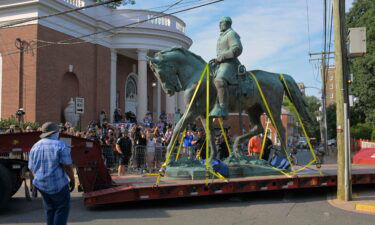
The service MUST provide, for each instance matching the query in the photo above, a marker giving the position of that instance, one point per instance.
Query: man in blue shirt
(51, 164)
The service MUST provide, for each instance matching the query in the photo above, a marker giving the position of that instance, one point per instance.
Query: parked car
(331, 142)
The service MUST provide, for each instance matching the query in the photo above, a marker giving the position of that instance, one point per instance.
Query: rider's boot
(221, 107)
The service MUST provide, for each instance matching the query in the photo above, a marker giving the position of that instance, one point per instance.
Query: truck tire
(5, 185)
(16, 182)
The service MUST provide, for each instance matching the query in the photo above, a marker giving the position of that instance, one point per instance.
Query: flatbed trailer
(140, 188)
(100, 188)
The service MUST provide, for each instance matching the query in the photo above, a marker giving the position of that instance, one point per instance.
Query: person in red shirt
(254, 146)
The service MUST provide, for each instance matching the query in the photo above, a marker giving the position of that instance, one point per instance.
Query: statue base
(245, 166)
(239, 166)
(186, 169)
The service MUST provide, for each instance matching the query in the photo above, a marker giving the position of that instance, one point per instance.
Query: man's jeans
(57, 206)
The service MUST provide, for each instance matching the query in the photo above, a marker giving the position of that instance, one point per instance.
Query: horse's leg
(255, 128)
(180, 126)
(281, 129)
(212, 138)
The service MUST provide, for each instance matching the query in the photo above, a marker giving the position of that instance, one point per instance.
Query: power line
(82, 42)
(120, 27)
(308, 24)
(330, 35)
(179, 2)
(56, 14)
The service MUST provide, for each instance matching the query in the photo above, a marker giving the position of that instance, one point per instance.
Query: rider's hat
(226, 19)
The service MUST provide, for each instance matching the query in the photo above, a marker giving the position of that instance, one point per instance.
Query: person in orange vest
(254, 146)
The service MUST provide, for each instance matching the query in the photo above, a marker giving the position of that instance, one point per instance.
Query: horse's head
(165, 66)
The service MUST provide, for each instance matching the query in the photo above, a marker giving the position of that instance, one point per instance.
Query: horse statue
(178, 70)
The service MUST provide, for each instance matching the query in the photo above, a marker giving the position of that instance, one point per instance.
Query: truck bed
(142, 187)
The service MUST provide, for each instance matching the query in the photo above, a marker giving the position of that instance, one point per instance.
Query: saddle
(242, 86)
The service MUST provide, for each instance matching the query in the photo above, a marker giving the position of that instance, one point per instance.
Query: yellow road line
(365, 208)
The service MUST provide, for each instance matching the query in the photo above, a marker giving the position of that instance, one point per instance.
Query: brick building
(109, 70)
(287, 119)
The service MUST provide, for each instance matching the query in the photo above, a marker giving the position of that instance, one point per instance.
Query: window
(331, 95)
(331, 86)
(330, 76)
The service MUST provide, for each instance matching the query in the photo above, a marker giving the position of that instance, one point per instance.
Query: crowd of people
(141, 146)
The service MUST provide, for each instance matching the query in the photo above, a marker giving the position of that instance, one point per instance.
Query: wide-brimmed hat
(49, 128)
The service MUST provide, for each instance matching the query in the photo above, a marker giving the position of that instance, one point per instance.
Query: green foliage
(118, 3)
(313, 105)
(362, 131)
(373, 134)
(5, 123)
(331, 121)
(362, 14)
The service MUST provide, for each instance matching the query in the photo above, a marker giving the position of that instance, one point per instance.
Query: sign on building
(80, 105)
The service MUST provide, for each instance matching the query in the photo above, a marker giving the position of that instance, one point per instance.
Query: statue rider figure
(228, 48)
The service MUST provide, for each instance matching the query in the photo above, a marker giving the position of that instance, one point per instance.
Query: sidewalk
(363, 202)
(363, 198)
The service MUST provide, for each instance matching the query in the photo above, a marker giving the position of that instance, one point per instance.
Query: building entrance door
(131, 95)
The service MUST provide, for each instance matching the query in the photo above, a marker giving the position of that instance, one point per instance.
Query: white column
(113, 83)
(1, 83)
(142, 84)
(158, 99)
(170, 107)
(181, 104)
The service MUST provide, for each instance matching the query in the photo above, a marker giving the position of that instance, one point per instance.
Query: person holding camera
(51, 164)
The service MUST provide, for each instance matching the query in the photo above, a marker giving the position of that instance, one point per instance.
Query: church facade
(97, 54)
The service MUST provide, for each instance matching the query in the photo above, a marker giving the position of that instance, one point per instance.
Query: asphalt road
(304, 207)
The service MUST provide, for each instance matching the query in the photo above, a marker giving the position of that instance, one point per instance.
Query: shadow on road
(20, 211)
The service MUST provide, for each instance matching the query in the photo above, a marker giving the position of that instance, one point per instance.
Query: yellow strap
(303, 129)
(271, 117)
(198, 156)
(264, 140)
(218, 175)
(181, 141)
(164, 166)
(206, 68)
(224, 135)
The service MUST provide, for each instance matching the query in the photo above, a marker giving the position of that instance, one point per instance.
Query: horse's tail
(297, 99)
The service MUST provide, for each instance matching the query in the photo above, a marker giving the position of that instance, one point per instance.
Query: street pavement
(290, 207)
(302, 207)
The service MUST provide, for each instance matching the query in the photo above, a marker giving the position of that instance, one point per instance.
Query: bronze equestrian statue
(232, 90)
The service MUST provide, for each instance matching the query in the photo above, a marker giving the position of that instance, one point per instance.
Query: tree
(313, 105)
(118, 3)
(361, 131)
(331, 121)
(362, 14)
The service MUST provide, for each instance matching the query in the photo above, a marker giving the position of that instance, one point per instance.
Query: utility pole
(21, 45)
(324, 84)
(344, 184)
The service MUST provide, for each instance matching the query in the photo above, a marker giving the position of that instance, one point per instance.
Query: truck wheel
(5, 185)
(16, 181)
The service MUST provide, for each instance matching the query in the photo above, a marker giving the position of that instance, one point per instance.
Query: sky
(277, 35)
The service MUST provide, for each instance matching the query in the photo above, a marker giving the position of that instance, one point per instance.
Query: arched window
(131, 93)
(131, 88)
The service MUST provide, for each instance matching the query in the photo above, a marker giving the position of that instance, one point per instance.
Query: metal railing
(75, 3)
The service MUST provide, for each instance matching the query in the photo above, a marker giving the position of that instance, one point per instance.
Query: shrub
(6, 123)
(362, 131)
